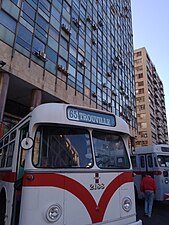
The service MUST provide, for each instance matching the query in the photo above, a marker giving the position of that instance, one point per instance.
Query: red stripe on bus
(7, 176)
(143, 172)
(95, 211)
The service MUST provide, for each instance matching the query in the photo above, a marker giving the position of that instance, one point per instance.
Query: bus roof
(163, 148)
(78, 116)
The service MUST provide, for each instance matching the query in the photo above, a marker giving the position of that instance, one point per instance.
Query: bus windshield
(110, 151)
(163, 160)
(62, 147)
(69, 147)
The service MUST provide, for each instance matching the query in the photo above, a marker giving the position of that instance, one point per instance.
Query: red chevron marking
(95, 211)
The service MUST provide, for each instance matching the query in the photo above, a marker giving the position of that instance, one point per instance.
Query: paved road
(160, 215)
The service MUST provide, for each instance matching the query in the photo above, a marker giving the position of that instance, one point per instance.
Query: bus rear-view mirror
(27, 143)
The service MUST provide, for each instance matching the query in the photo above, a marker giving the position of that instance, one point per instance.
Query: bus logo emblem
(97, 184)
(97, 178)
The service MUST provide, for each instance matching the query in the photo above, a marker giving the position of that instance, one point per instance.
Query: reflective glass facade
(86, 44)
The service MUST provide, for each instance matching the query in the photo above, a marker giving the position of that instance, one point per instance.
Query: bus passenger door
(140, 174)
(19, 175)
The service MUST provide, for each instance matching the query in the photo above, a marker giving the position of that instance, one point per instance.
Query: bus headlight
(126, 204)
(53, 213)
(166, 181)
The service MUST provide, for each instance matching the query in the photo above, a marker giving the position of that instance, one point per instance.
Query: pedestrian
(148, 187)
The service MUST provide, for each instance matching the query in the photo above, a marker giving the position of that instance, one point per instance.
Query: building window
(53, 33)
(44, 5)
(24, 37)
(7, 21)
(63, 42)
(38, 45)
(140, 75)
(141, 107)
(51, 54)
(137, 54)
(28, 13)
(138, 61)
(15, 1)
(140, 83)
(142, 116)
(143, 125)
(138, 68)
(140, 99)
(41, 28)
(143, 134)
(140, 91)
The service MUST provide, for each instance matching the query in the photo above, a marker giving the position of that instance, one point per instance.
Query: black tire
(2, 207)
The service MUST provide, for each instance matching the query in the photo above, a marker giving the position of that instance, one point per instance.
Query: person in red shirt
(148, 186)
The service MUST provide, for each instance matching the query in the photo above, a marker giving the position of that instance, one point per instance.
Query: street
(159, 215)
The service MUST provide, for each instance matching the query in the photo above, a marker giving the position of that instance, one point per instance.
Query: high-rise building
(150, 102)
(73, 51)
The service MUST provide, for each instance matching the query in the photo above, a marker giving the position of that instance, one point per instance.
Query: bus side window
(1, 144)
(150, 161)
(142, 161)
(10, 154)
(3, 160)
(0, 156)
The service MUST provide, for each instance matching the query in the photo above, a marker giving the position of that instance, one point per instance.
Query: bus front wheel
(2, 207)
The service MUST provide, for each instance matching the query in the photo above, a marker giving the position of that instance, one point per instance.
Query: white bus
(67, 165)
(155, 161)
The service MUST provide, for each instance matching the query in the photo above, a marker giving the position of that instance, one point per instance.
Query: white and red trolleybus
(155, 161)
(67, 165)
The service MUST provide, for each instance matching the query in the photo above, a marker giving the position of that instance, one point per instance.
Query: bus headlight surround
(126, 204)
(53, 213)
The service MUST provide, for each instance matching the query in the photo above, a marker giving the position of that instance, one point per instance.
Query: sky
(151, 30)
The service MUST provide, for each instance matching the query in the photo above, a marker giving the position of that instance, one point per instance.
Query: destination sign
(82, 115)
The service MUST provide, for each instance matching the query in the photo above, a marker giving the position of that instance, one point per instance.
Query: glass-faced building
(73, 51)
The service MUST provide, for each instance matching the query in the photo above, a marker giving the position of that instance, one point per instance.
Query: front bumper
(139, 222)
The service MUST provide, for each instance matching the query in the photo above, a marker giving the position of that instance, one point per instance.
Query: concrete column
(4, 84)
(36, 98)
